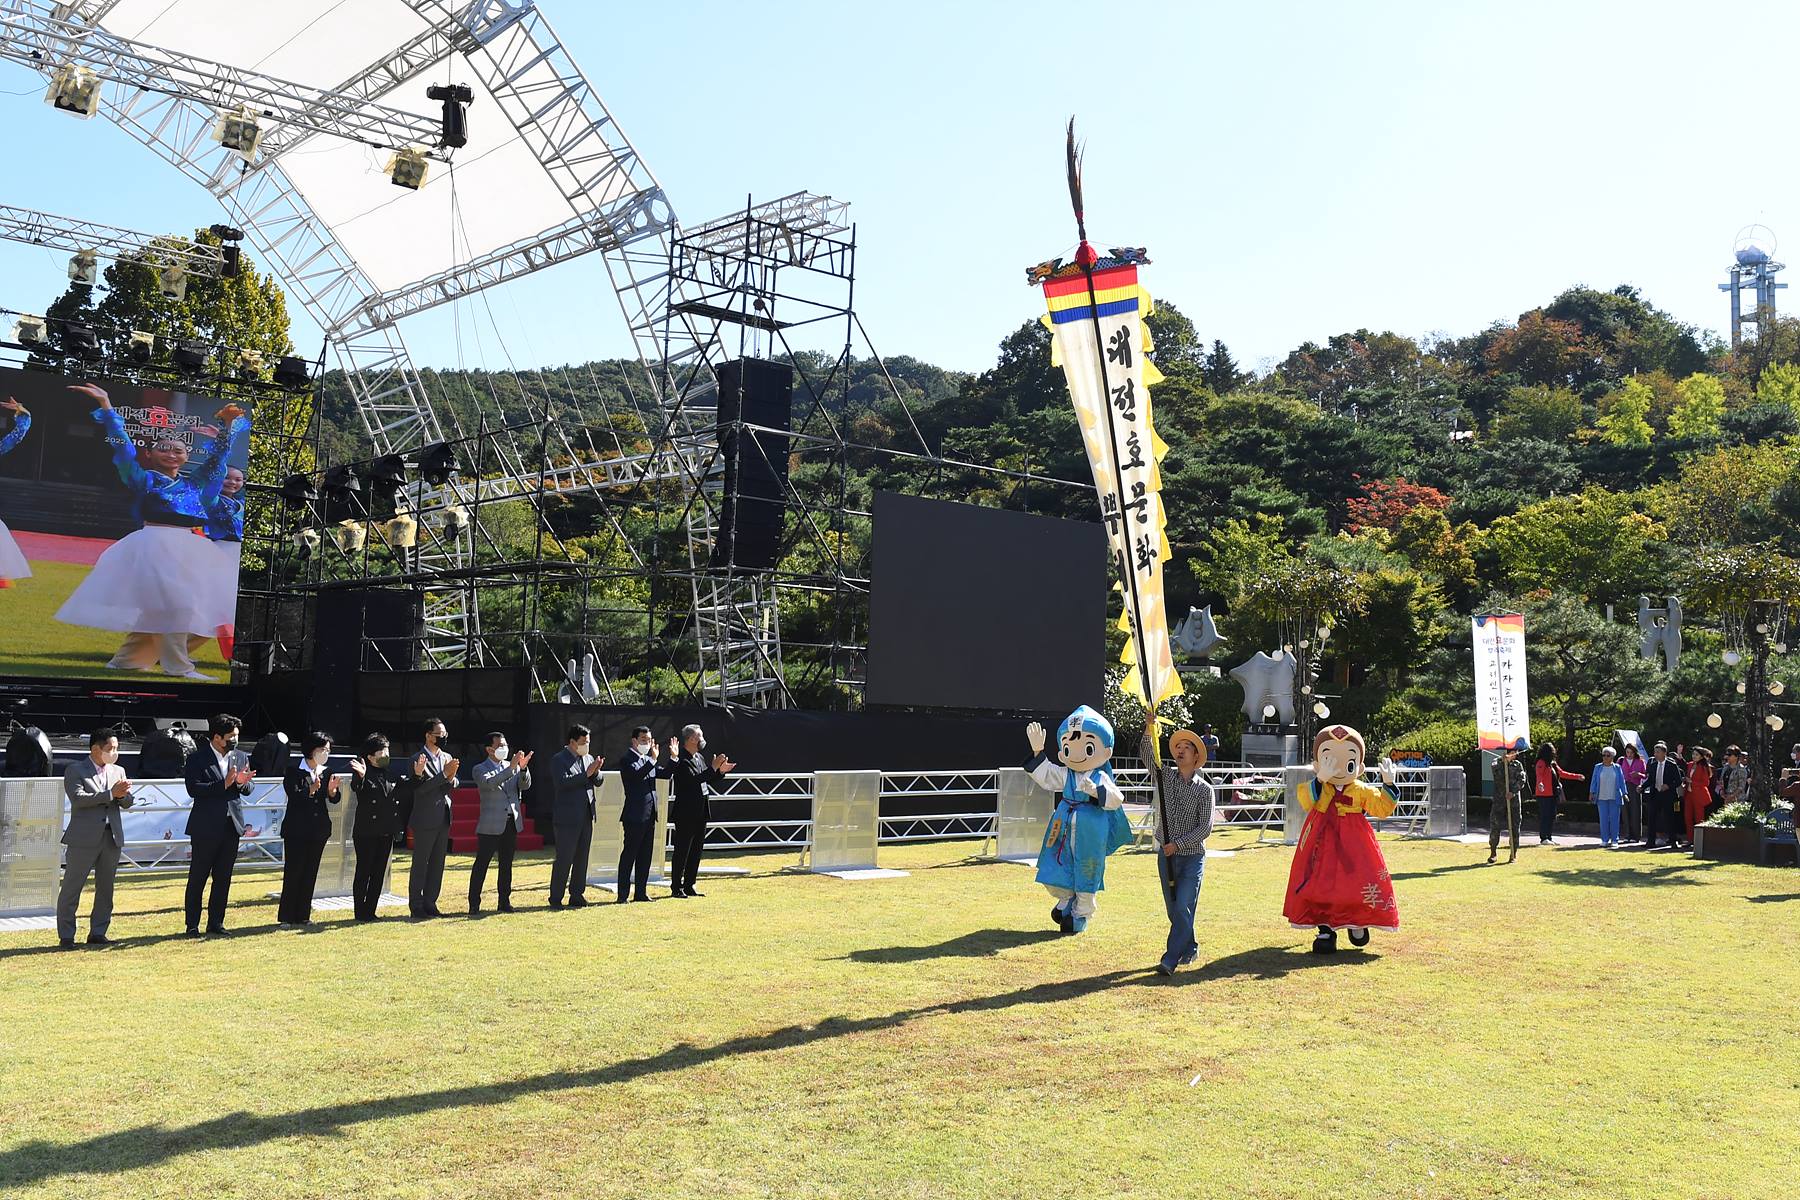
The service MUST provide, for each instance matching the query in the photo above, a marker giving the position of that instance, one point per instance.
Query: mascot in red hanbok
(1339, 879)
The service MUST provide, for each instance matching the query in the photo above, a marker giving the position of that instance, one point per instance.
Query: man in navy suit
(218, 777)
(639, 770)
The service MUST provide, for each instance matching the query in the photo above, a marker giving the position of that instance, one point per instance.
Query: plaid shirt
(1183, 808)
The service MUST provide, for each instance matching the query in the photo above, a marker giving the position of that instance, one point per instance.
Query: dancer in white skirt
(224, 522)
(12, 562)
(151, 584)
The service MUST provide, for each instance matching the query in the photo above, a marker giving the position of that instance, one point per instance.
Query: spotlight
(293, 374)
(226, 233)
(306, 543)
(455, 130)
(239, 130)
(249, 364)
(297, 490)
(30, 330)
(350, 535)
(172, 281)
(74, 89)
(456, 519)
(81, 341)
(191, 355)
(84, 268)
(386, 475)
(407, 168)
(402, 532)
(341, 484)
(437, 463)
(141, 346)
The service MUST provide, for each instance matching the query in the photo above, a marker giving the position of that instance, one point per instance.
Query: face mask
(499, 751)
(231, 742)
(702, 743)
(581, 748)
(642, 747)
(379, 760)
(320, 756)
(109, 757)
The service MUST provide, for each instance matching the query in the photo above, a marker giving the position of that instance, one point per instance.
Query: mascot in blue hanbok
(1089, 822)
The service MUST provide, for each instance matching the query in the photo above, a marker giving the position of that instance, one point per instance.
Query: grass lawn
(34, 642)
(1581, 1024)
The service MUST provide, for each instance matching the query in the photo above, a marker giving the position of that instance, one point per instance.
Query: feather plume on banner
(1098, 337)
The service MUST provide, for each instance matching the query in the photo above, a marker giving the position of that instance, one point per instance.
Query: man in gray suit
(97, 791)
(499, 776)
(573, 778)
(434, 774)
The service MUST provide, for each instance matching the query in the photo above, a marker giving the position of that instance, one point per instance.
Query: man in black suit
(1663, 784)
(218, 778)
(639, 770)
(378, 815)
(574, 774)
(693, 781)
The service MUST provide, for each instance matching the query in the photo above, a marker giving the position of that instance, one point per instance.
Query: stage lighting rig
(437, 463)
(191, 355)
(456, 97)
(407, 168)
(30, 330)
(74, 89)
(230, 253)
(386, 475)
(239, 130)
(297, 490)
(81, 341)
(249, 364)
(341, 485)
(172, 282)
(141, 346)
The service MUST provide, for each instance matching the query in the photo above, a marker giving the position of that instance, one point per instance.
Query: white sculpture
(1661, 628)
(1197, 636)
(585, 688)
(1267, 679)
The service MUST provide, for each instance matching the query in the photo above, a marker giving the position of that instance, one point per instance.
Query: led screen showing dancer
(121, 519)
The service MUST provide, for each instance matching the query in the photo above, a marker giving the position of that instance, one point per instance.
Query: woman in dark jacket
(306, 827)
(1547, 787)
(378, 816)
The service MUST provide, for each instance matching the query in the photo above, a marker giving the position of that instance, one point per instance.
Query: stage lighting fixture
(30, 330)
(239, 130)
(297, 490)
(293, 373)
(437, 463)
(230, 262)
(456, 519)
(172, 281)
(402, 532)
(306, 543)
(84, 268)
(191, 355)
(226, 233)
(341, 484)
(455, 130)
(350, 535)
(74, 89)
(81, 341)
(407, 168)
(386, 475)
(249, 364)
(141, 346)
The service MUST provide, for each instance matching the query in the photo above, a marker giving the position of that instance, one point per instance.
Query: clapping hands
(594, 767)
(721, 764)
(522, 759)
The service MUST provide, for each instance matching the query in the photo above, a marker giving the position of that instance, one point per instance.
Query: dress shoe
(678, 895)
(1359, 937)
(99, 939)
(644, 896)
(216, 930)
(474, 910)
(556, 904)
(693, 895)
(1163, 968)
(504, 906)
(65, 943)
(1492, 855)
(578, 902)
(622, 900)
(434, 911)
(192, 931)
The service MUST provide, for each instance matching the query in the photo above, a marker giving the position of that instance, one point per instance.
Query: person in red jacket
(1547, 787)
(1698, 793)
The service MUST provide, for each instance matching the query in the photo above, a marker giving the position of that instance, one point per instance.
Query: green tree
(1220, 370)
(1550, 413)
(1780, 386)
(1581, 667)
(1597, 545)
(1699, 404)
(1624, 414)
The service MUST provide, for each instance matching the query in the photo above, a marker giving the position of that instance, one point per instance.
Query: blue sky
(1295, 169)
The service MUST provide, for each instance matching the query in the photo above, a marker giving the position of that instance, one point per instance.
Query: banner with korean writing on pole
(1502, 707)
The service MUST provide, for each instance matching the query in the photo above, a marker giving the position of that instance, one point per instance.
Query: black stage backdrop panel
(973, 607)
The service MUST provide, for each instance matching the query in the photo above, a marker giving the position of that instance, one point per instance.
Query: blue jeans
(1180, 878)
(1609, 821)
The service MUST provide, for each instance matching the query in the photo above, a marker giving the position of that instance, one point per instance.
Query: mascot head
(1084, 741)
(1338, 755)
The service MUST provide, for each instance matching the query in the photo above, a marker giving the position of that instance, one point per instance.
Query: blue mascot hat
(1086, 720)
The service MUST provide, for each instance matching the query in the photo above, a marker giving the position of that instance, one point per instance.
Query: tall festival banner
(1098, 337)
(1502, 709)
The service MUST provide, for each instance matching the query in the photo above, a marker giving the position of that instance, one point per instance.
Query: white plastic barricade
(1022, 815)
(609, 833)
(1448, 793)
(31, 824)
(1293, 780)
(846, 811)
(337, 869)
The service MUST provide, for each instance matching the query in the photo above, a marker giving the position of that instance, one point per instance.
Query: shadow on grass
(980, 943)
(1669, 875)
(150, 1145)
(1773, 898)
(1454, 867)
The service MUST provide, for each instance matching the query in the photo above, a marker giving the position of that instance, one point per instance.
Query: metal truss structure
(692, 298)
(31, 228)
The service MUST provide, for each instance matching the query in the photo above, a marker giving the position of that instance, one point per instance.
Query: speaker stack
(756, 414)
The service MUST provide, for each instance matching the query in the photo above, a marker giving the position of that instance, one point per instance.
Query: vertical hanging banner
(1098, 337)
(1502, 708)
